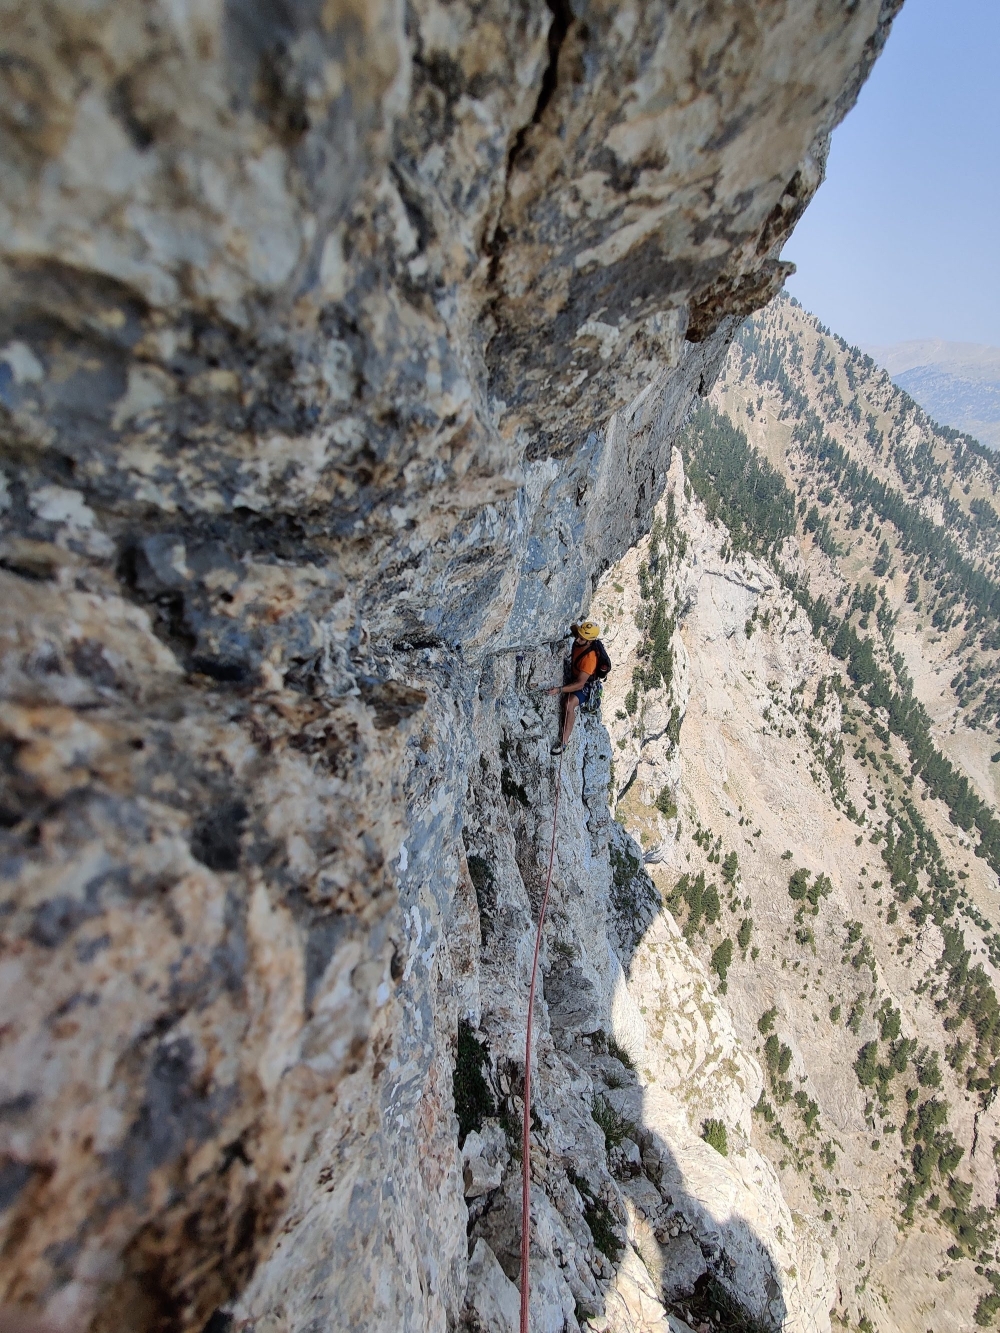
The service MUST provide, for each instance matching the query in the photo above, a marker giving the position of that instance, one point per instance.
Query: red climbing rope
(526, 1139)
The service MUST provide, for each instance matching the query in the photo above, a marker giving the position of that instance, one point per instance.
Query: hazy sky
(903, 239)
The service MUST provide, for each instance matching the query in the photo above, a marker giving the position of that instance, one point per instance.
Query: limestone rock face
(341, 349)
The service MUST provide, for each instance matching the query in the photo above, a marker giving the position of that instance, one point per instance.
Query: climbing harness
(526, 1135)
(594, 694)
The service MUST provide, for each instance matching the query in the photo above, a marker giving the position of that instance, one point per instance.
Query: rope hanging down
(525, 1139)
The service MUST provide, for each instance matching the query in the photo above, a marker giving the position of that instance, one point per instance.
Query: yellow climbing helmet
(587, 629)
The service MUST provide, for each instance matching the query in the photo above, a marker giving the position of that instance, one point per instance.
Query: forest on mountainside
(902, 510)
(759, 510)
(883, 528)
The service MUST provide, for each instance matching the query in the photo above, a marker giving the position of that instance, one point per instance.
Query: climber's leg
(569, 717)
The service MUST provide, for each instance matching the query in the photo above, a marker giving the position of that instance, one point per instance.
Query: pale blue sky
(903, 239)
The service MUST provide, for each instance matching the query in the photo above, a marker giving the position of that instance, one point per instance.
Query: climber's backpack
(603, 668)
(603, 661)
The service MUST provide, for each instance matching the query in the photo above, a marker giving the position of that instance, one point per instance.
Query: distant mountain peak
(957, 383)
(970, 360)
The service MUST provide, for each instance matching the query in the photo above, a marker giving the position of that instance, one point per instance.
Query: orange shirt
(585, 661)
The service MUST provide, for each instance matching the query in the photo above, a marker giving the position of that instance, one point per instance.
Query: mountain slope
(803, 720)
(899, 502)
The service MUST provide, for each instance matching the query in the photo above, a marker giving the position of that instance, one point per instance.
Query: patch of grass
(624, 868)
(615, 1126)
(512, 1127)
(634, 897)
(714, 1133)
(620, 1053)
(712, 1306)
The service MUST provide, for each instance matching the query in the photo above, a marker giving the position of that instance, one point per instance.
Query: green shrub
(766, 1021)
(473, 1099)
(889, 1021)
(808, 1107)
(763, 1107)
(928, 1070)
(801, 890)
(778, 1058)
(599, 1218)
(714, 1134)
(744, 933)
(722, 958)
(710, 904)
(666, 804)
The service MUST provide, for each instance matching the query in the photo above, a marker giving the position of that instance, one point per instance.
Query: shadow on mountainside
(634, 1216)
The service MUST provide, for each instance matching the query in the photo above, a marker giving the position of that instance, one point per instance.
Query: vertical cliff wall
(342, 348)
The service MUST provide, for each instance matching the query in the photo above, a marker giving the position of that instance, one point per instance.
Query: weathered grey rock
(340, 350)
(482, 1170)
(682, 1265)
(633, 1301)
(492, 1298)
(644, 1195)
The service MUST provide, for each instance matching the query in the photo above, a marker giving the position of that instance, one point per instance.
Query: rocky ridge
(342, 349)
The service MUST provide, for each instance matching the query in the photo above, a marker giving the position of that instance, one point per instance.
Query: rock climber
(583, 663)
